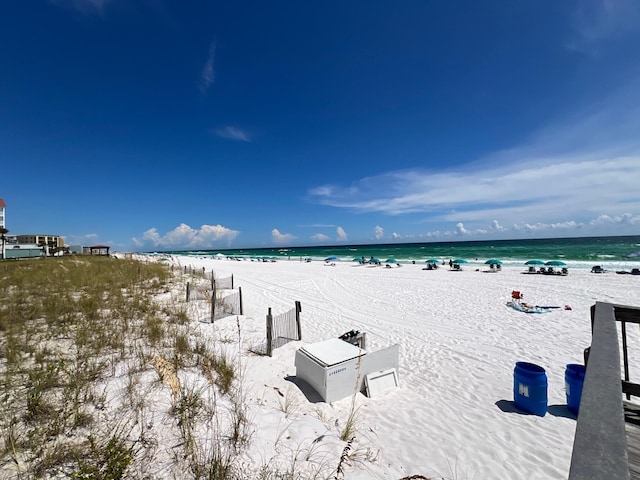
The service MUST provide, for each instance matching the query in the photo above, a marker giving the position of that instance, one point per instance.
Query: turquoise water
(578, 252)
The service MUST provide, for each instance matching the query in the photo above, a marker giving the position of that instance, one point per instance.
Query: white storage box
(336, 369)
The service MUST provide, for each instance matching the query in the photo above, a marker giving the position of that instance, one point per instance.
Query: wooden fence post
(213, 281)
(232, 281)
(187, 299)
(298, 310)
(213, 303)
(269, 333)
(240, 291)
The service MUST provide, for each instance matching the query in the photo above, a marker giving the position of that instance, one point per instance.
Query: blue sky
(151, 124)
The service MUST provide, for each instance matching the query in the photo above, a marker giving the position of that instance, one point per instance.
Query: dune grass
(78, 339)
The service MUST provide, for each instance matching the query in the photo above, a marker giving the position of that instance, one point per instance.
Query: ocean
(610, 252)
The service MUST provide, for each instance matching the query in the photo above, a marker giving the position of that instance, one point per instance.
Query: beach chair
(564, 271)
(531, 270)
(517, 295)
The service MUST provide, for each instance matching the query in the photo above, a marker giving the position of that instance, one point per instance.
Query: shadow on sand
(306, 389)
(509, 406)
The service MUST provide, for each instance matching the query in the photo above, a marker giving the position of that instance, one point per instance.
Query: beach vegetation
(79, 338)
(287, 402)
(102, 363)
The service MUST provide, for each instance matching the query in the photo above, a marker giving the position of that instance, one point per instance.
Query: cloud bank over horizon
(209, 236)
(184, 236)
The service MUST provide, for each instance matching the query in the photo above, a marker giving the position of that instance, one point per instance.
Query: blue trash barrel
(530, 388)
(573, 382)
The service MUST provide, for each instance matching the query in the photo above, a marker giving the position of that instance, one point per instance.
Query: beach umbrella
(460, 260)
(391, 260)
(331, 259)
(374, 260)
(493, 261)
(433, 260)
(358, 259)
(555, 263)
(534, 262)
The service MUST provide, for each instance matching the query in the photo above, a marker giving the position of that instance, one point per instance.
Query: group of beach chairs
(548, 270)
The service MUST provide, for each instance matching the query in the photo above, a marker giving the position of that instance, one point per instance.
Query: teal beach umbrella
(460, 260)
(433, 260)
(391, 260)
(534, 262)
(555, 263)
(493, 261)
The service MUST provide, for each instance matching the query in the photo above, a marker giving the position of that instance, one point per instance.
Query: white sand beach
(453, 414)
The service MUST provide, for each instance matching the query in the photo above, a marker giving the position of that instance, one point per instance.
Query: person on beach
(450, 263)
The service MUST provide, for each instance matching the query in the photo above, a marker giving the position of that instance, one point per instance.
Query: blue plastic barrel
(530, 388)
(573, 382)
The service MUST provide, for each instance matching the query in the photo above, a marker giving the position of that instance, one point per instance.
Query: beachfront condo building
(3, 207)
(53, 242)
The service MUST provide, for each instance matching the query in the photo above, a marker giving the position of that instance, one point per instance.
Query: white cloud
(320, 237)
(577, 184)
(208, 75)
(322, 191)
(496, 227)
(233, 133)
(342, 235)
(460, 230)
(626, 218)
(602, 224)
(278, 237)
(378, 232)
(183, 236)
(546, 227)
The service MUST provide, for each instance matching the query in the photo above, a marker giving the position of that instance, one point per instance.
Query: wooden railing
(600, 445)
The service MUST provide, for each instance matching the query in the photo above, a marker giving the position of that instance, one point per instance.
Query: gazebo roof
(96, 247)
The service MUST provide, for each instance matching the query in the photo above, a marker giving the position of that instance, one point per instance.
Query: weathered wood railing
(600, 444)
